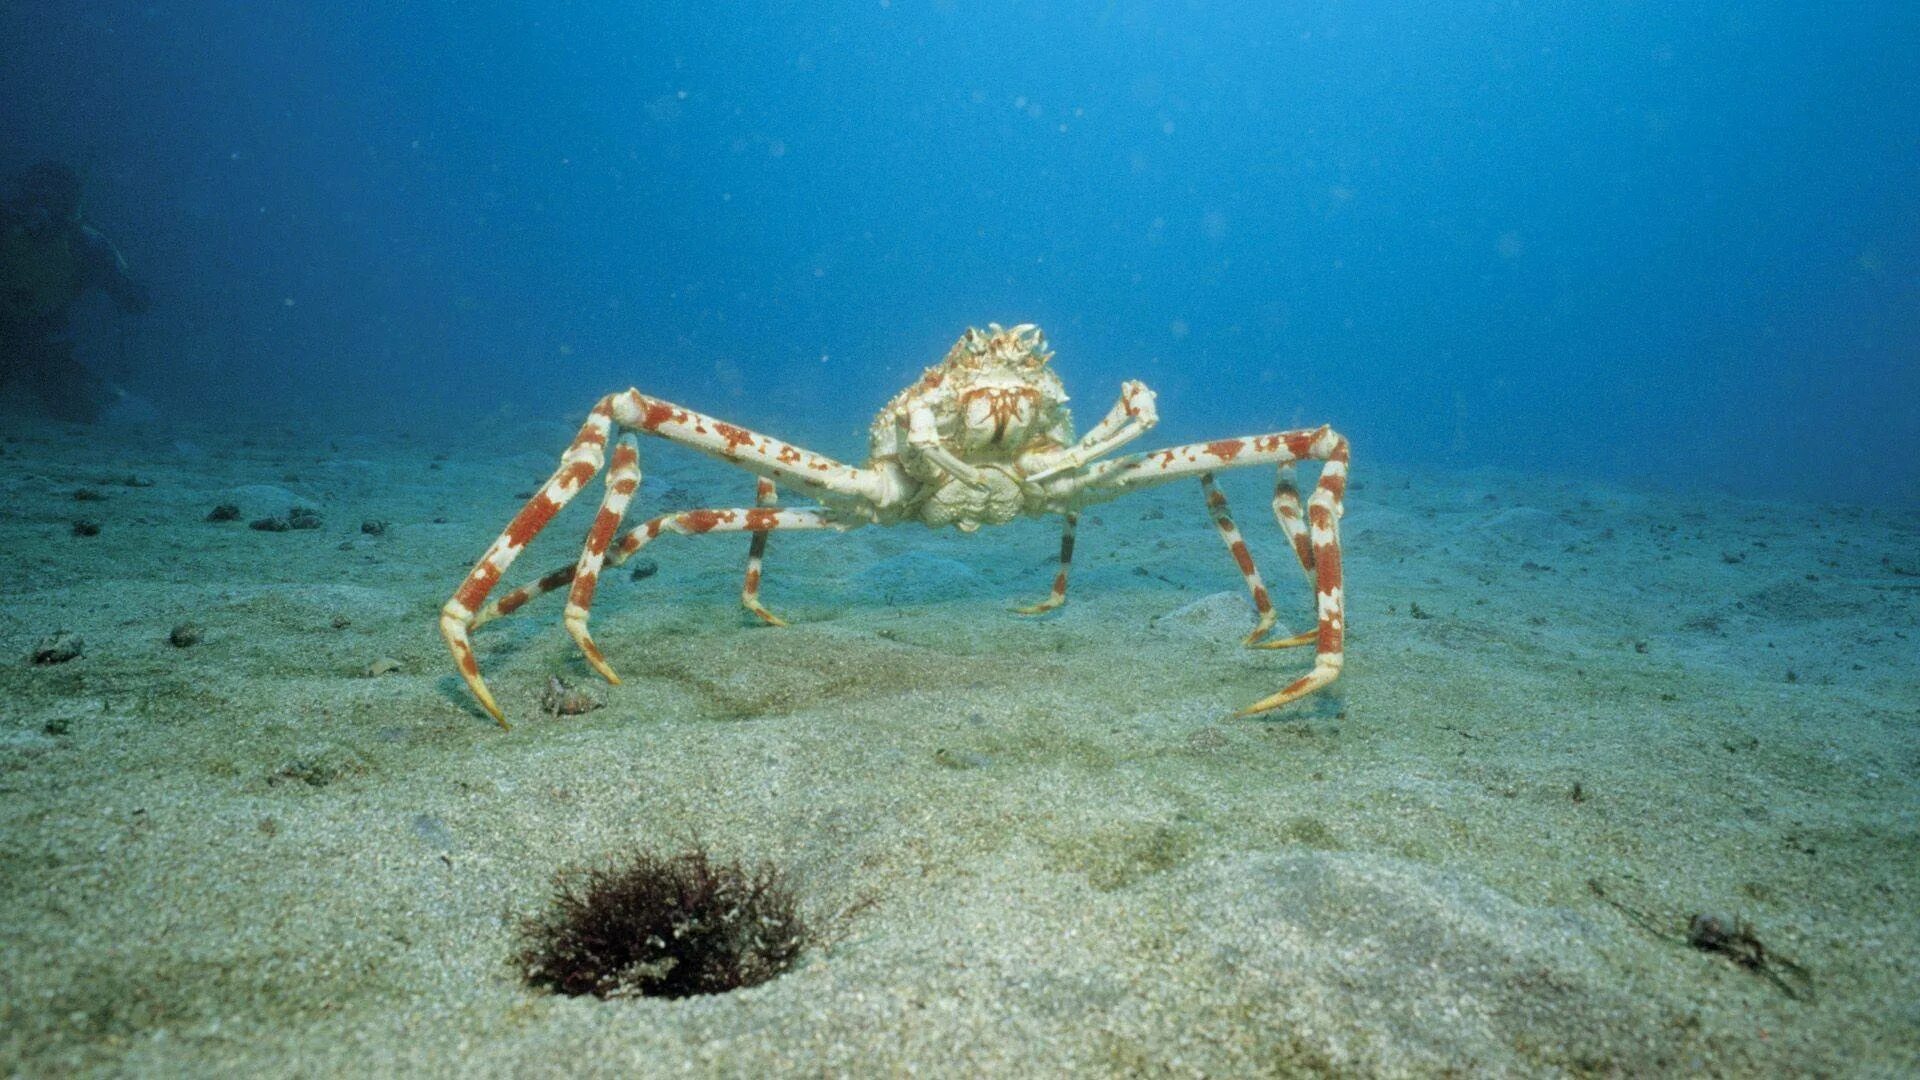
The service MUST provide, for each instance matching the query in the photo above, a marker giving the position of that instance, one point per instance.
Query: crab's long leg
(1242, 558)
(760, 454)
(581, 460)
(623, 476)
(1059, 594)
(1286, 511)
(690, 523)
(510, 602)
(869, 490)
(763, 496)
(757, 519)
(1323, 526)
(1101, 482)
(765, 456)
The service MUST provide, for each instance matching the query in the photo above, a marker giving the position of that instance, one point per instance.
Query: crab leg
(763, 495)
(1112, 479)
(757, 453)
(633, 411)
(1286, 511)
(581, 460)
(690, 523)
(584, 574)
(1059, 594)
(623, 476)
(630, 542)
(1243, 558)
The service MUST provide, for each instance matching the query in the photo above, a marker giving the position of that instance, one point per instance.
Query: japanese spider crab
(983, 437)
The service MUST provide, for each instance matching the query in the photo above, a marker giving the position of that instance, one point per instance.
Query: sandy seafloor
(1058, 851)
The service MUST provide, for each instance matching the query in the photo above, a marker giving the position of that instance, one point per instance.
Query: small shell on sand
(58, 648)
(563, 700)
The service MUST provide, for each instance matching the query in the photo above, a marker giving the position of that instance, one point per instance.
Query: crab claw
(1067, 464)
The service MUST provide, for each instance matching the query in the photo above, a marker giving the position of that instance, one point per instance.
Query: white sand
(247, 856)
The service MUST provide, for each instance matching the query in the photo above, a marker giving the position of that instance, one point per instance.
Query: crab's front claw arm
(924, 435)
(1132, 416)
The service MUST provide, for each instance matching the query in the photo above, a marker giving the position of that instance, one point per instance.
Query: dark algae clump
(1734, 939)
(669, 926)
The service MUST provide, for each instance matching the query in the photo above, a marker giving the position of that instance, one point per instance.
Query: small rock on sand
(58, 648)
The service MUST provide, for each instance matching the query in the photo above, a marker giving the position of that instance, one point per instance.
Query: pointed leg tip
(1316, 680)
(1293, 642)
(1040, 608)
(1264, 705)
(485, 698)
(765, 616)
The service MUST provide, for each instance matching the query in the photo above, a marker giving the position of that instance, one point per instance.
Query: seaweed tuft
(670, 926)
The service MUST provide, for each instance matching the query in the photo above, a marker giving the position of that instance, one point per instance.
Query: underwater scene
(1330, 538)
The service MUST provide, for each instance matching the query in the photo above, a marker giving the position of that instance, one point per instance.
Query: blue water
(1591, 237)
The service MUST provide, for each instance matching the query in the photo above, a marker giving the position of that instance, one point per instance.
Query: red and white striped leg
(581, 460)
(763, 496)
(1237, 547)
(1323, 527)
(623, 476)
(691, 523)
(758, 520)
(700, 522)
(633, 411)
(508, 603)
(760, 454)
(1059, 594)
(1286, 511)
(1100, 484)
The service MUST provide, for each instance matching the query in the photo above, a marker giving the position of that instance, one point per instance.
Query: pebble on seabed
(58, 648)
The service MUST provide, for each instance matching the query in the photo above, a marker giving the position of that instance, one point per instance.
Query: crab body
(992, 404)
(980, 438)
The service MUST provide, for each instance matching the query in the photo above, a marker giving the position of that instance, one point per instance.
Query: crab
(981, 438)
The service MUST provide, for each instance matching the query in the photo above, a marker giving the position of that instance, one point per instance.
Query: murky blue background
(1585, 236)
